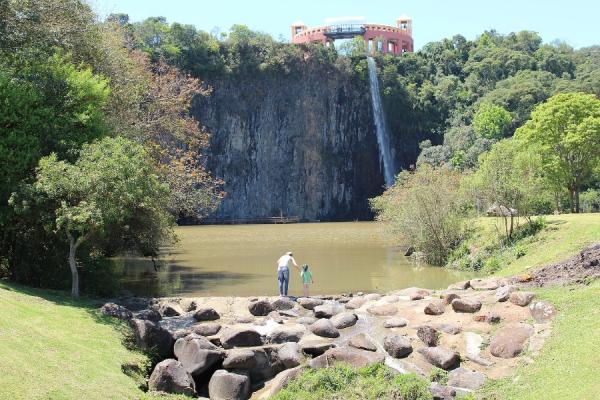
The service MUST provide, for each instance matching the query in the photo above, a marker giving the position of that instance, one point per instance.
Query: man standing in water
(283, 272)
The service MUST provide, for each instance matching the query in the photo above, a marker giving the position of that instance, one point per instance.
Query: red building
(383, 38)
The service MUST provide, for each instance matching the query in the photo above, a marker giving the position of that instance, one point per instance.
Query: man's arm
(294, 262)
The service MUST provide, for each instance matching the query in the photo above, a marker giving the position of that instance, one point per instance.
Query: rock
(413, 293)
(503, 292)
(383, 310)
(244, 319)
(344, 299)
(492, 317)
(463, 285)
(314, 347)
(208, 329)
(416, 296)
(267, 365)
(260, 308)
(466, 305)
(309, 302)
(306, 320)
(428, 335)
(287, 333)
(521, 298)
(197, 354)
(436, 307)
(150, 314)
(240, 337)
(397, 346)
(116, 311)
(477, 359)
(170, 310)
(372, 297)
(324, 311)
(225, 385)
(542, 311)
(289, 313)
(170, 376)
(274, 315)
(344, 320)
(390, 299)
(362, 342)
(280, 382)
(451, 329)
(289, 355)
(324, 328)
(180, 333)
(239, 359)
(356, 302)
(354, 357)
(319, 362)
(395, 322)
(206, 314)
(448, 297)
(508, 341)
(484, 284)
(283, 303)
(441, 392)
(149, 334)
(440, 357)
(465, 378)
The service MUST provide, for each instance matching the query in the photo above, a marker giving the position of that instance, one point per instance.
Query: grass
(54, 348)
(567, 367)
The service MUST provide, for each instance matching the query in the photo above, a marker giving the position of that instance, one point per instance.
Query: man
(283, 272)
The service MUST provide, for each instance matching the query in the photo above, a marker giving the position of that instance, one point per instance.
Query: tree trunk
(572, 199)
(73, 244)
(511, 224)
(577, 209)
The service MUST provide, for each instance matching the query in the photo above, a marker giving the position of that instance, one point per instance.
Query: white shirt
(283, 262)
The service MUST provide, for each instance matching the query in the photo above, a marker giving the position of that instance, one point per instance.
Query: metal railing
(345, 29)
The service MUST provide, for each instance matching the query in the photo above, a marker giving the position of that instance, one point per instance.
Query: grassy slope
(564, 236)
(54, 348)
(567, 367)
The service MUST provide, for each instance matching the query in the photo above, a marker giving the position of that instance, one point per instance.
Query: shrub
(438, 375)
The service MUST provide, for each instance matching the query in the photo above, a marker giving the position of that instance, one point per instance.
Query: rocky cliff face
(301, 144)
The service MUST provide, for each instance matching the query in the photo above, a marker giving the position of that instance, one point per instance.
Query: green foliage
(425, 209)
(590, 200)
(491, 121)
(342, 381)
(438, 375)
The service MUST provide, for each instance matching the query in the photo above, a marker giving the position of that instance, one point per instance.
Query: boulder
(324, 311)
(324, 328)
(206, 314)
(188, 305)
(463, 285)
(309, 302)
(316, 347)
(362, 342)
(440, 357)
(283, 303)
(245, 319)
(503, 293)
(260, 308)
(239, 359)
(289, 355)
(280, 382)
(465, 378)
(466, 305)
(207, 329)
(448, 297)
(372, 297)
(484, 284)
(116, 311)
(441, 392)
(344, 320)
(413, 293)
(542, 311)
(390, 299)
(197, 354)
(354, 357)
(150, 314)
(508, 341)
(289, 313)
(428, 335)
(240, 337)
(287, 333)
(226, 385)
(170, 310)
(451, 329)
(436, 307)
(149, 334)
(306, 320)
(383, 310)
(356, 302)
(275, 316)
(521, 298)
(319, 362)
(397, 346)
(170, 376)
(395, 322)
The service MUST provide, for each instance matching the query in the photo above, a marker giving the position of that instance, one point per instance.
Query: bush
(438, 375)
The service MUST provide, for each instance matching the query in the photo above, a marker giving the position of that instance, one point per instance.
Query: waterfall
(385, 157)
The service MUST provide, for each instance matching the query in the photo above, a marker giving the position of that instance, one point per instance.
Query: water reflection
(240, 260)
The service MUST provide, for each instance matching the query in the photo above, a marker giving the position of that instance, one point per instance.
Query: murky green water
(241, 260)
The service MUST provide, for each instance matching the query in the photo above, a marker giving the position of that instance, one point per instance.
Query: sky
(574, 21)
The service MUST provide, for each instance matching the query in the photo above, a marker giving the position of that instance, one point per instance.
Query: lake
(240, 260)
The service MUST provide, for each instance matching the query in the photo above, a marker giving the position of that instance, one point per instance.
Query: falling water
(382, 136)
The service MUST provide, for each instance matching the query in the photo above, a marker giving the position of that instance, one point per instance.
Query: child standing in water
(307, 278)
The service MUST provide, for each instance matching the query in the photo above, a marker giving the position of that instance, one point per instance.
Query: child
(307, 278)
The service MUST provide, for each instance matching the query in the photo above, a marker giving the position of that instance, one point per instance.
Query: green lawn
(568, 365)
(54, 348)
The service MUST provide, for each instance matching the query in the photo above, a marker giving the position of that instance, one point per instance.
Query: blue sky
(574, 21)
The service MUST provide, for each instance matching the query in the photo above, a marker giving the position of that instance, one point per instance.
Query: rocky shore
(239, 348)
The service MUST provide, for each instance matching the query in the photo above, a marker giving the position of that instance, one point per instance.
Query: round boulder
(396, 322)
(206, 314)
(436, 307)
(325, 311)
(466, 305)
(324, 328)
(440, 357)
(542, 311)
(170, 376)
(283, 303)
(356, 302)
(383, 310)
(309, 302)
(428, 335)
(197, 354)
(208, 329)
(397, 346)
(509, 341)
(225, 385)
(240, 337)
(521, 299)
(116, 311)
(362, 342)
(344, 320)
(260, 308)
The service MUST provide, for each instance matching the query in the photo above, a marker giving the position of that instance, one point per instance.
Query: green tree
(111, 191)
(491, 121)
(566, 132)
